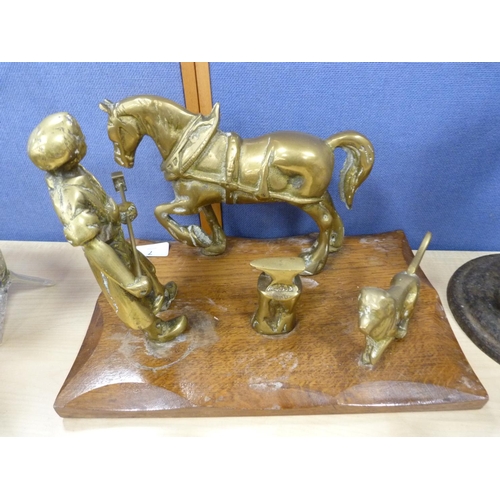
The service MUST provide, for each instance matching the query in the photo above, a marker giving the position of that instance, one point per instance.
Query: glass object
(7, 278)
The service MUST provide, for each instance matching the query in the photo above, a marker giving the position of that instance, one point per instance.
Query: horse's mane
(138, 105)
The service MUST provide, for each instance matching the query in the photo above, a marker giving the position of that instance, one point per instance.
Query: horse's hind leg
(337, 234)
(315, 258)
(218, 240)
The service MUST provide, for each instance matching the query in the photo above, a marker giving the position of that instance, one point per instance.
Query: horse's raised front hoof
(210, 246)
(198, 237)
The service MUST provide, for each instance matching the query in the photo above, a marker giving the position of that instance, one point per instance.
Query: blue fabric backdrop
(29, 92)
(435, 128)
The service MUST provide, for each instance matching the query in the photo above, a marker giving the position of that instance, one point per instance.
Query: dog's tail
(412, 268)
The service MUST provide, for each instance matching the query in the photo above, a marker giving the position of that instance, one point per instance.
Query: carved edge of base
(89, 344)
(138, 397)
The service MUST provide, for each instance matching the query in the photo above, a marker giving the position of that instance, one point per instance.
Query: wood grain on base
(222, 367)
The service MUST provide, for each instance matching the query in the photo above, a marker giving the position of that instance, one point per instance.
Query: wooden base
(474, 299)
(222, 367)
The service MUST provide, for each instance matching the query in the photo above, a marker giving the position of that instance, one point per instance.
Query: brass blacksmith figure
(93, 220)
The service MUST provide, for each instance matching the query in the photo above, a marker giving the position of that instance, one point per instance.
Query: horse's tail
(358, 163)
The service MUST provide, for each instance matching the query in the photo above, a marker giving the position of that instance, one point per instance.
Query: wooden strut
(198, 99)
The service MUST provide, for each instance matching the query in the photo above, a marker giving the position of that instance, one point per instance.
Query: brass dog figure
(206, 165)
(384, 314)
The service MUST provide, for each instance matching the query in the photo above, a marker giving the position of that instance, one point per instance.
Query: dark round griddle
(474, 299)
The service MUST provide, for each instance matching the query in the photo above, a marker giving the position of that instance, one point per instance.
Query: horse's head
(124, 132)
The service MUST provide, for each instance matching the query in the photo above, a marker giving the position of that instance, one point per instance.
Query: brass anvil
(279, 289)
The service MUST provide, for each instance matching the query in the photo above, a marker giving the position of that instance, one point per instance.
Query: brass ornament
(206, 166)
(93, 220)
(279, 287)
(384, 314)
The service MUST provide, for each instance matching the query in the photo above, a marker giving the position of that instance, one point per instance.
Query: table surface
(44, 329)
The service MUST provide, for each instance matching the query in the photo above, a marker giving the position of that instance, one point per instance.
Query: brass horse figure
(206, 165)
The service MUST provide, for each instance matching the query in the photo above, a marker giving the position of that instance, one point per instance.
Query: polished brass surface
(279, 288)
(121, 187)
(384, 314)
(209, 166)
(92, 220)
